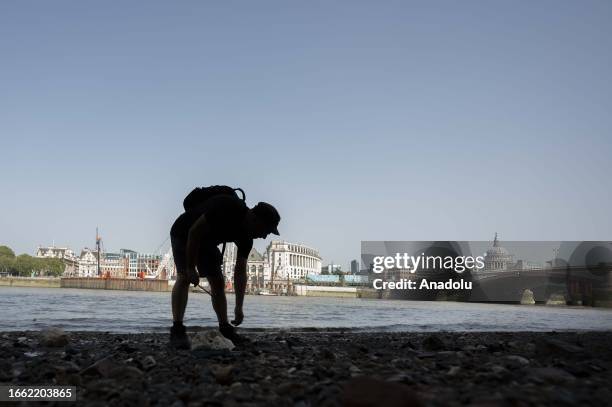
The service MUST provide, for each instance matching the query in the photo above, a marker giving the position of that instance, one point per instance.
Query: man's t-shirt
(225, 218)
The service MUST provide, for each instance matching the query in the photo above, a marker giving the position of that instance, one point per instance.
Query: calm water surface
(134, 311)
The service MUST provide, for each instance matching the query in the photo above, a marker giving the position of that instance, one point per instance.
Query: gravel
(318, 368)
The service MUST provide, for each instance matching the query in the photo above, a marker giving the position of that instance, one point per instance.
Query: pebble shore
(318, 368)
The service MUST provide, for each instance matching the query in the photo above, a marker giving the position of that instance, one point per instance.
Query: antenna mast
(98, 249)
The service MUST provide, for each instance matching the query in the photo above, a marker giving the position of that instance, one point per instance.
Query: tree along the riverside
(25, 265)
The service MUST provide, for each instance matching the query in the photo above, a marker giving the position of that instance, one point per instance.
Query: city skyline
(358, 121)
(166, 250)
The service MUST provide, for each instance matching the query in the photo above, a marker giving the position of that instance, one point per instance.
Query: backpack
(200, 195)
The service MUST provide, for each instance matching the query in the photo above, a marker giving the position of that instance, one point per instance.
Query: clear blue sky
(385, 120)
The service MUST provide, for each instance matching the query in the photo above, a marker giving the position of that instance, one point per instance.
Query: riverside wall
(332, 291)
(115, 284)
(42, 282)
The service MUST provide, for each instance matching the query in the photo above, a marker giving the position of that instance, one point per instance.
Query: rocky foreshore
(318, 368)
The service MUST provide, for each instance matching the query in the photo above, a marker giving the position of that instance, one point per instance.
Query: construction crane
(98, 244)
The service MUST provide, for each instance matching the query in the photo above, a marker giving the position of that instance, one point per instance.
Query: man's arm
(240, 282)
(197, 230)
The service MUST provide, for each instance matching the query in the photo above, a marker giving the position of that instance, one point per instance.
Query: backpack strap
(243, 200)
(242, 192)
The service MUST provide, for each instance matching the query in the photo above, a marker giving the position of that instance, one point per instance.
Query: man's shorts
(209, 258)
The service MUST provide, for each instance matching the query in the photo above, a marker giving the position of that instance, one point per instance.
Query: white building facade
(498, 259)
(70, 260)
(88, 263)
(291, 261)
(54, 252)
(258, 271)
(281, 262)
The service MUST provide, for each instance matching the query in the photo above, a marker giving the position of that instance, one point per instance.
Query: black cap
(269, 215)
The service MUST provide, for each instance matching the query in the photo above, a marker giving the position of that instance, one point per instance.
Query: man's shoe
(179, 338)
(229, 332)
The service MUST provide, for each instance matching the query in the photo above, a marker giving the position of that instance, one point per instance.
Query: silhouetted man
(195, 236)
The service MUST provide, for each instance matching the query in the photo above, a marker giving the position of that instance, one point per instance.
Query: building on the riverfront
(331, 269)
(354, 267)
(258, 271)
(497, 258)
(129, 264)
(88, 263)
(83, 265)
(141, 264)
(65, 254)
(125, 264)
(114, 265)
(291, 261)
(229, 259)
(71, 266)
(280, 264)
(54, 252)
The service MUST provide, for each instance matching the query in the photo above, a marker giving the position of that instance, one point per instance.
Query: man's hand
(239, 317)
(193, 277)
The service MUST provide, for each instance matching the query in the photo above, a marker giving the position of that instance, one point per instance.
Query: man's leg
(219, 302)
(178, 333)
(180, 293)
(213, 273)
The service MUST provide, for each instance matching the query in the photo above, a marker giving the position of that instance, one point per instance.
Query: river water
(134, 311)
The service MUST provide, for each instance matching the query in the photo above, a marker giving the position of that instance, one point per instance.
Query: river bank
(154, 285)
(31, 282)
(315, 367)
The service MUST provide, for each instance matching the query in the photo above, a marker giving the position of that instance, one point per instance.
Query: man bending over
(195, 236)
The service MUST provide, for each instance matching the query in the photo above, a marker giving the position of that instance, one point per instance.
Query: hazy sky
(370, 120)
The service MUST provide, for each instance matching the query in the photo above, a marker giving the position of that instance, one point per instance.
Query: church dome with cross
(497, 258)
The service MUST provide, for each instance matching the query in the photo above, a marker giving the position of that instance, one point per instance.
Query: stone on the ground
(102, 367)
(453, 371)
(54, 337)
(148, 362)
(108, 368)
(211, 339)
(223, 373)
(516, 360)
